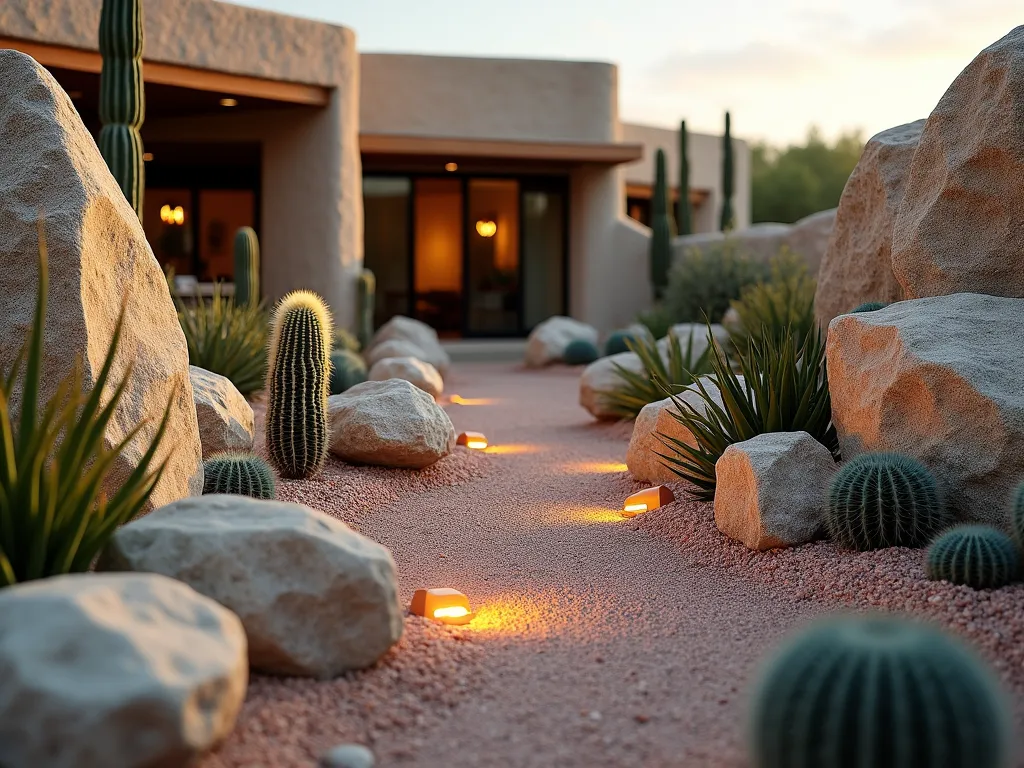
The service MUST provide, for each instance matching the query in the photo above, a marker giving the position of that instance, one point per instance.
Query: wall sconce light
(646, 500)
(451, 167)
(147, 157)
(174, 216)
(486, 228)
(443, 604)
(475, 440)
(229, 102)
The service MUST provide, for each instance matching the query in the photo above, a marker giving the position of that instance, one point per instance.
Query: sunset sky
(778, 65)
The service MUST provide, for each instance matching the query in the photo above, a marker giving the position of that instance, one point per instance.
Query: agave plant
(784, 388)
(55, 515)
(226, 338)
(784, 301)
(636, 390)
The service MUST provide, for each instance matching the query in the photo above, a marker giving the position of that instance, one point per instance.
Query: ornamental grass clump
(55, 513)
(784, 301)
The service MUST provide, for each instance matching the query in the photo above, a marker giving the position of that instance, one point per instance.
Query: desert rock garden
(778, 521)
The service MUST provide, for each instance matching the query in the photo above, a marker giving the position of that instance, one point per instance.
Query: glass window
(386, 243)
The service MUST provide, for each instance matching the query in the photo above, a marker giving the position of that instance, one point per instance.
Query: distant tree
(788, 184)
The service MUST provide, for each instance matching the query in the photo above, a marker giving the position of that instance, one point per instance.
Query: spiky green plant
(784, 301)
(780, 385)
(241, 474)
(878, 691)
(247, 267)
(1017, 515)
(882, 500)
(580, 352)
(55, 515)
(727, 220)
(226, 338)
(616, 342)
(684, 214)
(347, 370)
(661, 228)
(366, 290)
(298, 378)
(635, 390)
(344, 339)
(979, 556)
(868, 306)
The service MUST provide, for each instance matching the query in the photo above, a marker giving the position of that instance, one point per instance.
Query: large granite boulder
(226, 420)
(393, 348)
(416, 372)
(771, 491)
(695, 334)
(315, 597)
(940, 379)
(808, 238)
(549, 339)
(600, 377)
(116, 671)
(857, 267)
(959, 228)
(419, 334)
(98, 257)
(389, 423)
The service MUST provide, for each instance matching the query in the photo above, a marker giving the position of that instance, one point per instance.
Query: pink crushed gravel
(599, 641)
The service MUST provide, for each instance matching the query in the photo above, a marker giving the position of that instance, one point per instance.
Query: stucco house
(485, 194)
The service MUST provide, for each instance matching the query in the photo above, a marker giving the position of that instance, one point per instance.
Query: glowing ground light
(443, 604)
(646, 500)
(475, 440)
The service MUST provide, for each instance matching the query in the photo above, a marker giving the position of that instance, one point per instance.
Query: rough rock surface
(315, 597)
(389, 423)
(416, 372)
(857, 267)
(104, 670)
(760, 241)
(698, 332)
(771, 491)
(548, 340)
(98, 257)
(601, 376)
(419, 334)
(940, 379)
(225, 416)
(809, 237)
(959, 226)
(393, 348)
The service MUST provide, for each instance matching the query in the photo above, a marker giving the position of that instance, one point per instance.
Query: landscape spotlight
(475, 440)
(443, 604)
(646, 500)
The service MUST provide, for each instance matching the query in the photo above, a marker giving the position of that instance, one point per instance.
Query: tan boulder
(547, 342)
(226, 421)
(601, 377)
(98, 255)
(416, 372)
(808, 238)
(417, 333)
(393, 348)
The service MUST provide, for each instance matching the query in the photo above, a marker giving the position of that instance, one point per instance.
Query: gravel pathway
(599, 641)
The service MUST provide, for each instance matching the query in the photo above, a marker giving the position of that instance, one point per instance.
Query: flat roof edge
(612, 153)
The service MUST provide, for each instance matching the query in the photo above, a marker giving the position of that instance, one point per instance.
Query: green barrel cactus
(580, 352)
(884, 500)
(242, 474)
(366, 289)
(978, 556)
(728, 218)
(1017, 515)
(616, 342)
(122, 96)
(868, 306)
(247, 267)
(347, 370)
(298, 376)
(684, 213)
(878, 692)
(661, 228)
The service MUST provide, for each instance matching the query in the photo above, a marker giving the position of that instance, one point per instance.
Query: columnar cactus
(247, 267)
(978, 556)
(852, 692)
(298, 375)
(242, 474)
(366, 290)
(122, 96)
(661, 228)
(884, 500)
(684, 214)
(1017, 515)
(728, 220)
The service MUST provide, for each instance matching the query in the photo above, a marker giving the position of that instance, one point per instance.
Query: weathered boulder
(393, 348)
(548, 340)
(389, 423)
(315, 597)
(98, 257)
(771, 491)
(808, 238)
(416, 372)
(125, 670)
(601, 377)
(419, 334)
(940, 379)
(698, 332)
(226, 421)
(760, 242)
(857, 267)
(959, 226)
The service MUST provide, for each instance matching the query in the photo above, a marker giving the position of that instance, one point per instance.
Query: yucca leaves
(784, 301)
(55, 516)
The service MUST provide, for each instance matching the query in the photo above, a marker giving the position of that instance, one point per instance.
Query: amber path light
(646, 500)
(475, 440)
(443, 604)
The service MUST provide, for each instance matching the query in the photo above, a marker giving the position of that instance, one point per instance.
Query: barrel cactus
(616, 342)
(347, 370)
(851, 692)
(978, 556)
(1017, 515)
(298, 376)
(580, 352)
(242, 474)
(366, 289)
(247, 267)
(868, 306)
(884, 500)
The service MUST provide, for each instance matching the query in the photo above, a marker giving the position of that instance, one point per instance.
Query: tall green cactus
(122, 96)
(298, 376)
(366, 290)
(684, 214)
(247, 267)
(728, 220)
(661, 228)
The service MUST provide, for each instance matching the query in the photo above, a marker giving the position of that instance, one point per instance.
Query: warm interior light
(646, 500)
(147, 157)
(486, 228)
(475, 440)
(174, 216)
(442, 604)
(451, 167)
(229, 102)
(75, 94)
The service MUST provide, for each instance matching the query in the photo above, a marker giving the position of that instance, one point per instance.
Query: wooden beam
(159, 73)
(391, 144)
(646, 191)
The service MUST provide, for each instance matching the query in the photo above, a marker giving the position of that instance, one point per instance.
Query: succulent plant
(298, 376)
(618, 341)
(242, 474)
(580, 352)
(727, 220)
(247, 267)
(366, 289)
(1017, 515)
(878, 691)
(868, 306)
(978, 556)
(347, 370)
(344, 339)
(684, 213)
(661, 228)
(884, 500)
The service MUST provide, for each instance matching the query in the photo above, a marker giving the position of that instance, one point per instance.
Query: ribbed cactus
(884, 500)
(344, 339)
(979, 556)
(1017, 515)
(580, 352)
(366, 290)
(728, 219)
(242, 474)
(122, 96)
(298, 376)
(684, 214)
(661, 228)
(616, 342)
(878, 692)
(247, 267)
(347, 370)
(868, 306)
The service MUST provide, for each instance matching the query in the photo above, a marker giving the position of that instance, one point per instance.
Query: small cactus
(347, 370)
(247, 267)
(661, 228)
(868, 306)
(242, 474)
(978, 556)
(1017, 515)
(851, 692)
(580, 352)
(344, 339)
(366, 290)
(884, 500)
(727, 219)
(298, 376)
(616, 342)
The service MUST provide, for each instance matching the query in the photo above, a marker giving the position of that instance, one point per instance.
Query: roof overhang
(496, 149)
